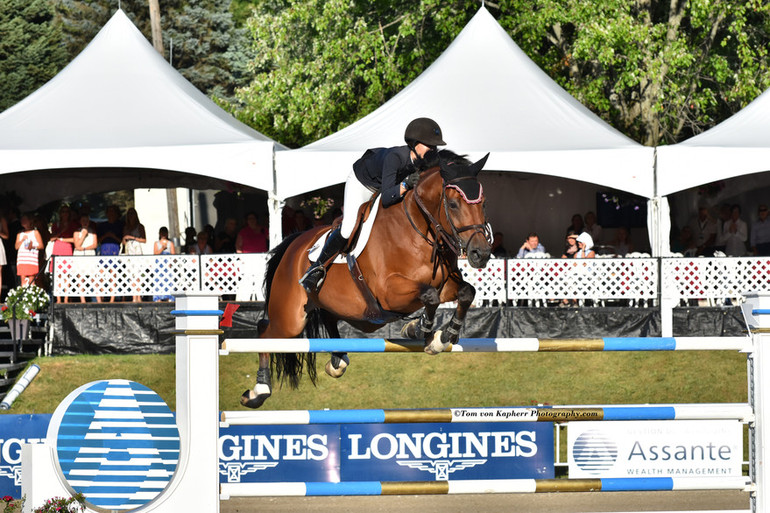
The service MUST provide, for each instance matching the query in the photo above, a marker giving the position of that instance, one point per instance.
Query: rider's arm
(392, 190)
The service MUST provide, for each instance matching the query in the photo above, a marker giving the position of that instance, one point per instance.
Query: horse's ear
(478, 166)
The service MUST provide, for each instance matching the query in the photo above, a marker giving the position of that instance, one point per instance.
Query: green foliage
(30, 48)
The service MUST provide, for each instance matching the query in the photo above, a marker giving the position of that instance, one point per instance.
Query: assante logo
(594, 452)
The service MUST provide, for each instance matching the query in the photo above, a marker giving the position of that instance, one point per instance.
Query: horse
(408, 263)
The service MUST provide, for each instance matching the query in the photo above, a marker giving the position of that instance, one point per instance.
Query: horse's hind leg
(451, 334)
(263, 389)
(422, 327)
(338, 363)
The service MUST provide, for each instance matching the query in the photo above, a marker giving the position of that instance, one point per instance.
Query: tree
(658, 71)
(31, 52)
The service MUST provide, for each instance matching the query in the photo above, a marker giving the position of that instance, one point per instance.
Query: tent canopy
(119, 104)
(738, 146)
(488, 96)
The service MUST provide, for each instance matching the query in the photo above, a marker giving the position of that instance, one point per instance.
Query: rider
(390, 171)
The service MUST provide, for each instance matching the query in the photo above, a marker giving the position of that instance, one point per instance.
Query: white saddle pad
(315, 251)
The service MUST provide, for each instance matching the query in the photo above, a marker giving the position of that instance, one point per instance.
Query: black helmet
(424, 130)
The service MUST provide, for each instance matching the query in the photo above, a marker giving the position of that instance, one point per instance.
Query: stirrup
(313, 278)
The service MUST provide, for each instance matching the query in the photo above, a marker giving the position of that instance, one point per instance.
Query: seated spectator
(498, 250)
(253, 237)
(592, 228)
(225, 242)
(622, 244)
(760, 233)
(734, 234)
(585, 244)
(571, 246)
(531, 245)
(202, 244)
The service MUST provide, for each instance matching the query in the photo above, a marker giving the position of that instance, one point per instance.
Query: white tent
(738, 146)
(119, 105)
(488, 96)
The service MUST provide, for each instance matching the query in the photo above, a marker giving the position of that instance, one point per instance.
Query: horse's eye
(453, 204)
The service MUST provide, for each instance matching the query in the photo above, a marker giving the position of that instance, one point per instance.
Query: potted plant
(21, 306)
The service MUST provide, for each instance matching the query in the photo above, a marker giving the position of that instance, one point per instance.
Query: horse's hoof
(250, 399)
(337, 372)
(409, 330)
(435, 345)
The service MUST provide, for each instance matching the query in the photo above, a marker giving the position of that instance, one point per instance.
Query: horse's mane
(432, 159)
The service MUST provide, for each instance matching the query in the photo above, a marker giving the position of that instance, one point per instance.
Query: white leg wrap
(262, 388)
(434, 345)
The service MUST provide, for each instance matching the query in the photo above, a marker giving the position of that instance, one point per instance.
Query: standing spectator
(577, 225)
(720, 243)
(3, 238)
(760, 233)
(62, 233)
(531, 245)
(622, 244)
(735, 234)
(163, 276)
(253, 237)
(110, 232)
(133, 238)
(85, 242)
(498, 250)
(225, 242)
(592, 228)
(188, 248)
(28, 244)
(704, 231)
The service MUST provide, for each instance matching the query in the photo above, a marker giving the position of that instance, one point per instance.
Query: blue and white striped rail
(628, 484)
(733, 411)
(482, 345)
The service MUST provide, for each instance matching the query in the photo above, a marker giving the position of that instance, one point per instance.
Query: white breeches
(356, 194)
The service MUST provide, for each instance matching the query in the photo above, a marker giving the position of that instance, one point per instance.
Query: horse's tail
(288, 366)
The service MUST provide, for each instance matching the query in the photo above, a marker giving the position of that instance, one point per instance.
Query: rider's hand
(411, 180)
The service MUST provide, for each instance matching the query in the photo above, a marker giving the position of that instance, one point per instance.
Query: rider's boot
(314, 276)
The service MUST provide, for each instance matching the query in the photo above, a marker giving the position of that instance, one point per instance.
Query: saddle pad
(366, 230)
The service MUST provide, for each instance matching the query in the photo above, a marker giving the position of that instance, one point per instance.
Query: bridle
(443, 239)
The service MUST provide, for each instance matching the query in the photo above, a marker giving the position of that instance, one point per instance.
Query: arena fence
(195, 484)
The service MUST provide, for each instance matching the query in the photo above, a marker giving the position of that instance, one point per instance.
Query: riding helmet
(424, 130)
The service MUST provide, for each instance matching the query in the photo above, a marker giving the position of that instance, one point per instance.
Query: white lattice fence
(714, 278)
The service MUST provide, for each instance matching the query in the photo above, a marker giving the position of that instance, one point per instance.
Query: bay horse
(408, 263)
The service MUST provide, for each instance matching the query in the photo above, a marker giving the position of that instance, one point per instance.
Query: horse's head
(458, 200)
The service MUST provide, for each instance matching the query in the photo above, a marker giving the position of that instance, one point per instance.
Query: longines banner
(351, 452)
(680, 448)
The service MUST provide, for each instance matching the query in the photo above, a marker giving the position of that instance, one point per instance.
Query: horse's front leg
(422, 327)
(262, 390)
(451, 333)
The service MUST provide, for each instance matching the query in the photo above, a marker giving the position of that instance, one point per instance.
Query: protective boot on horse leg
(314, 276)
(422, 327)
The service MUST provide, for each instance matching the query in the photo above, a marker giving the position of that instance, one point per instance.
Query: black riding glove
(411, 180)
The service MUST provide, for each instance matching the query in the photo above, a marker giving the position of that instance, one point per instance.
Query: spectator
(133, 238)
(577, 225)
(720, 243)
(704, 231)
(202, 244)
(4, 237)
(110, 232)
(622, 244)
(531, 245)
(585, 244)
(686, 243)
(735, 234)
(760, 233)
(498, 250)
(163, 276)
(41, 225)
(252, 238)
(62, 233)
(592, 228)
(28, 244)
(188, 248)
(571, 247)
(210, 231)
(287, 221)
(85, 242)
(225, 242)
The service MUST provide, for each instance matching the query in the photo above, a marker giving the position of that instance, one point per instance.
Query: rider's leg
(356, 194)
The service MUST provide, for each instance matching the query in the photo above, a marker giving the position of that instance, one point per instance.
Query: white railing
(501, 280)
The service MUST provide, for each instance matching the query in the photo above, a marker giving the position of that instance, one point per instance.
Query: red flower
(5, 307)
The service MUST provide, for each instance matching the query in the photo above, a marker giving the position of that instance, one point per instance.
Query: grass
(422, 381)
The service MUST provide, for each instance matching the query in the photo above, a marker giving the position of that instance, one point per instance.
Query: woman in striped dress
(28, 244)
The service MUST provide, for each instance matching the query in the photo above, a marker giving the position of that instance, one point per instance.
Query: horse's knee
(430, 298)
(465, 294)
